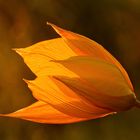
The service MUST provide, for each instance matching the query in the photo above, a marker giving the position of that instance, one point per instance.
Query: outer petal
(44, 113)
(99, 81)
(37, 56)
(82, 45)
(62, 98)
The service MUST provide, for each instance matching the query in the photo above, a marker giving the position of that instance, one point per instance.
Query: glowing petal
(44, 113)
(38, 56)
(62, 98)
(82, 45)
(99, 81)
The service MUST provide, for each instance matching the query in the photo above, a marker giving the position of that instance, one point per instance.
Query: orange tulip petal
(37, 56)
(101, 80)
(82, 45)
(44, 113)
(62, 98)
(90, 94)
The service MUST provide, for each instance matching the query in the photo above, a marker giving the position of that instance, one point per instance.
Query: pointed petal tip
(26, 81)
(4, 115)
(51, 24)
(18, 50)
(48, 23)
(14, 49)
(56, 28)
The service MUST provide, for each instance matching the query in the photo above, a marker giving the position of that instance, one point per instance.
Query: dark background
(114, 24)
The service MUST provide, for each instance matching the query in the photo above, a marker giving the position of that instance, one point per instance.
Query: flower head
(77, 80)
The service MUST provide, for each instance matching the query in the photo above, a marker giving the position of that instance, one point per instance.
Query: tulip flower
(77, 80)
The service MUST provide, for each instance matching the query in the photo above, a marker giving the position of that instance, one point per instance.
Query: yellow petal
(43, 113)
(62, 98)
(82, 45)
(99, 81)
(37, 56)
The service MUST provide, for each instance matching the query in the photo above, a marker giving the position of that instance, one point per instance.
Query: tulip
(77, 80)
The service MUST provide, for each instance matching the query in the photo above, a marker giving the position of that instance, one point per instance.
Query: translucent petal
(38, 56)
(62, 98)
(82, 45)
(43, 113)
(99, 81)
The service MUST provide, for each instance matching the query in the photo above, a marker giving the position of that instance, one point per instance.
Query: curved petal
(37, 56)
(82, 45)
(99, 81)
(43, 113)
(62, 98)
(89, 93)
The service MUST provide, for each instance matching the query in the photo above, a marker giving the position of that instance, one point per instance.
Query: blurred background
(114, 24)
